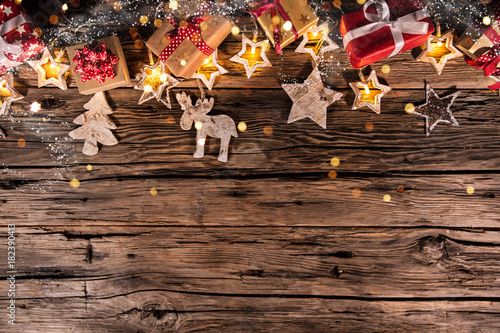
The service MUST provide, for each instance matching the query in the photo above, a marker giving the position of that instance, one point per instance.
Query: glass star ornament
(7, 93)
(153, 81)
(439, 49)
(369, 92)
(436, 109)
(250, 60)
(310, 99)
(49, 71)
(316, 42)
(209, 71)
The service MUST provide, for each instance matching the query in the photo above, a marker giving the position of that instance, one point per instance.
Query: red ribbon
(191, 31)
(274, 6)
(488, 63)
(95, 62)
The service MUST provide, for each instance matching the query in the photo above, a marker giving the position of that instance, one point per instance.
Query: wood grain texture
(273, 240)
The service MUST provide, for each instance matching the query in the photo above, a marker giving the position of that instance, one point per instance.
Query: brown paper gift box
(122, 77)
(217, 29)
(301, 15)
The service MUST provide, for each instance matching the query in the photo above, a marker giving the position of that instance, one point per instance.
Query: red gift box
(383, 29)
(17, 42)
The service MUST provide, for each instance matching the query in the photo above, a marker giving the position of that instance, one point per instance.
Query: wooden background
(266, 242)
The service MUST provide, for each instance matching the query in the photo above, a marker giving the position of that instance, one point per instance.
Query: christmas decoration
(18, 43)
(283, 21)
(250, 59)
(206, 72)
(2, 134)
(313, 42)
(99, 66)
(96, 125)
(184, 45)
(7, 93)
(374, 33)
(368, 92)
(221, 126)
(310, 99)
(49, 71)
(153, 80)
(436, 109)
(439, 49)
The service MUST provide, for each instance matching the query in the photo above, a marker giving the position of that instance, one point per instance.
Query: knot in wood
(432, 249)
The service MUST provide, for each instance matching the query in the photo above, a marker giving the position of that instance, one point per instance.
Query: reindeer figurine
(220, 126)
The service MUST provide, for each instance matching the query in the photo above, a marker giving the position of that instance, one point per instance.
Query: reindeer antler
(206, 104)
(184, 100)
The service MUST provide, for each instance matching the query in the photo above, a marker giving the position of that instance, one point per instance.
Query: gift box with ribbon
(384, 28)
(184, 45)
(99, 66)
(297, 12)
(18, 43)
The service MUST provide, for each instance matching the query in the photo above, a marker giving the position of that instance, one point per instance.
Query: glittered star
(310, 99)
(49, 71)
(153, 80)
(313, 42)
(250, 61)
(436, 109)
(208, 69)
(439, 49)
(7, 93)
(368, 92)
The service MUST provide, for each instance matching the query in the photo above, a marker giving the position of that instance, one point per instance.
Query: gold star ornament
(209, 71)
(153, 81)
(368, 92)
(252, 59)
(7, 93)
(49, 71)
(439, 49)
(310, 99)
(316, 42)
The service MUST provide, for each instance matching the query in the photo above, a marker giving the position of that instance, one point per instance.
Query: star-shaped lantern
(250, 60)
(7, 93)
(310, 99)
(49, 71)
(369, 92)
(436, 109)
(209, 71)
(153, 81)
(439, 49)
(313, 42)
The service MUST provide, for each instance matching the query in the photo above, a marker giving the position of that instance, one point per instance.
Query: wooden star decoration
(49, 71)
(7, 93)
(436, 109)
(369, 92)
(153, 81)
(313, 42)
(439, 49)
(310, 99)
(206, 72)
(496, 79)
(250, 61)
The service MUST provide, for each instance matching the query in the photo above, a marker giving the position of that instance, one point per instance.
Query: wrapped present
(99, 66)
(297, 12)
(18, 43)
(383, 29)
(184, 45)
(479, 38)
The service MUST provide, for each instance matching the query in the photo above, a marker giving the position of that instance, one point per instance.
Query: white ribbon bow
(10, 48)
(408, 24)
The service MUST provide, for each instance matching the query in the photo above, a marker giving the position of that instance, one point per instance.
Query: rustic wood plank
(269, 201)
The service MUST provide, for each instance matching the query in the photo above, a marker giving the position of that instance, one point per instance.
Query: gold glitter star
(368, 92)
(153, 80)
(250, 61)
(313, 42)
(49, 71)
(209, 71)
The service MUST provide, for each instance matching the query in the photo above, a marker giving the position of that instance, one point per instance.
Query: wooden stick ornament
(220, 126)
